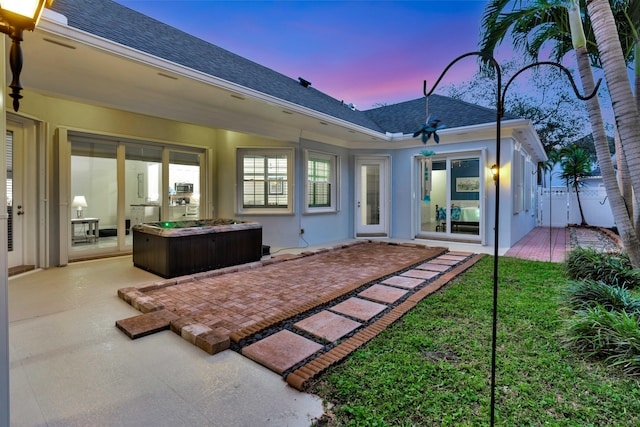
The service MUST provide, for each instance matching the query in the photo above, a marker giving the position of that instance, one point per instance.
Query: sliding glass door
(450, 203)
(94, 196)
(143, 186)
(118, 184)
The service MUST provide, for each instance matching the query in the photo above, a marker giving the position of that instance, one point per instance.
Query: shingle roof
(112, 21)
(407, 117)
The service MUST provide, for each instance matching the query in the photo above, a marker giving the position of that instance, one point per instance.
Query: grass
(432, 367)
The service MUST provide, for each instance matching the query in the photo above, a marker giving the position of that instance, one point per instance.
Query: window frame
(334, 163)
(241, 209)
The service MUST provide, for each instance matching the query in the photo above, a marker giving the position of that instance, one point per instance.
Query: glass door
(450, 205)
(465, 196)
(15, 207)
(143, 187)
(94, 197)
(184, 186)
(433, 195)
(372, 204)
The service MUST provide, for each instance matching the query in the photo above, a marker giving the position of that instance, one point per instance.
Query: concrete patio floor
(70, 366)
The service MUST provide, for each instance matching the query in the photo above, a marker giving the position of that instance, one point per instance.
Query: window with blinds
(266, 176)
(265, 180)
(321, 186)
(319, 176)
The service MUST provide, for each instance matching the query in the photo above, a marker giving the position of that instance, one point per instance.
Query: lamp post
(495, 169)
(16, 16)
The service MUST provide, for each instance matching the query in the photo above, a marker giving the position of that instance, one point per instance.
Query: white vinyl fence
(559, 206)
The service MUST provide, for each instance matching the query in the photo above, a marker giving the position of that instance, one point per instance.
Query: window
(266, 176)
(321, 173)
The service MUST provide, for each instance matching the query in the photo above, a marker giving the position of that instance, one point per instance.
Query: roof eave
(56, 24)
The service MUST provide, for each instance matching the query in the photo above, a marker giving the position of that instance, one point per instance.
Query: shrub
(610, 268)
(581, 295)
(612, 335)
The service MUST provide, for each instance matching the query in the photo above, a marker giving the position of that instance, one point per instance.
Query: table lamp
(79, 202)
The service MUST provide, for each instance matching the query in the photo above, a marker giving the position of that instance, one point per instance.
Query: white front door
(372, 196)
(15, 201)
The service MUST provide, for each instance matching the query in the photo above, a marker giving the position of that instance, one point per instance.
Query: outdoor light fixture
(500, 96)
(17, 16)
(495, 171)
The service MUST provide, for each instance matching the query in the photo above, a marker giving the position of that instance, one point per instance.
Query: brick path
(552, 244)
(542, 244)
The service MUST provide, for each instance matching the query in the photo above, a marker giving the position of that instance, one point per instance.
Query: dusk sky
(361, 52)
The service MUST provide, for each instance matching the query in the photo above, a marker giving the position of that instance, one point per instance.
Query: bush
(591, 293)
(612, 335)
(610, 268)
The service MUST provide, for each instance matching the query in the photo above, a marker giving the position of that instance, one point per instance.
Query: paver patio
(298, 313)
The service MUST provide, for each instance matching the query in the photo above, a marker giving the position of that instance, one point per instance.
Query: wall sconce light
(15, 17)
(79, 202)
(495, 170)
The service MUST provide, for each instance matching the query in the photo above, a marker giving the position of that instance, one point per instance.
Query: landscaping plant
(612, 335)
(611, 268)
(582, 295)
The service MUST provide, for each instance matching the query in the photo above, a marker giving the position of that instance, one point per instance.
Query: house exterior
(149, 123)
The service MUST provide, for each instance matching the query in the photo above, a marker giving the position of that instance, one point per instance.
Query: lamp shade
(22, 14)
(79, 202)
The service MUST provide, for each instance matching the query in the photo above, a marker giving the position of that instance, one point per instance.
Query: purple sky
(361, 52)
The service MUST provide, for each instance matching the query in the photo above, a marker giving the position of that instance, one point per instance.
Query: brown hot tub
(178, 248)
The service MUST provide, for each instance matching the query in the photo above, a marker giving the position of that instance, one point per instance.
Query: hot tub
(178, 248)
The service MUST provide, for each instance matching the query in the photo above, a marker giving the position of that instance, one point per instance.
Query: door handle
(358, 204)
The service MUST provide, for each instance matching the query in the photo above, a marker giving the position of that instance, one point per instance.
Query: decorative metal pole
(500, 96)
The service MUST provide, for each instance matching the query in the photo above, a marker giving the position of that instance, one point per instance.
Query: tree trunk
(635, 207)
(582, 221)
(626, 114)
(624, 177)
(616, 201)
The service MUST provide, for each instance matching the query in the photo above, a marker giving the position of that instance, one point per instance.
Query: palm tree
(532, 26)
(617, 202)
(613, 64)
(576, 165)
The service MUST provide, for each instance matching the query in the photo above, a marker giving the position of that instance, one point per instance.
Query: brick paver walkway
(552, 244)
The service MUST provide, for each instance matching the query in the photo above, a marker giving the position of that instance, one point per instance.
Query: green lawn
(432, 367)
